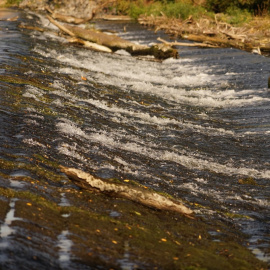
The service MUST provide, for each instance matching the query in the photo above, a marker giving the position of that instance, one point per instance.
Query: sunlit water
(193, 127)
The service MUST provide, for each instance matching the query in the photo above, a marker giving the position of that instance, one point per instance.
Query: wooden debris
(114, 42)
(30, 27)
(13, 19)
(215, 32)
(202, 45)
(60, 26)
(128, 191)
(90, 45)
(115, 18)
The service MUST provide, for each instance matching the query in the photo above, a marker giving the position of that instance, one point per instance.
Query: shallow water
(197, 127)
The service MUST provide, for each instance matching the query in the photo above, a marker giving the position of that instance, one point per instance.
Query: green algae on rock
(183, 243)
(21, 81)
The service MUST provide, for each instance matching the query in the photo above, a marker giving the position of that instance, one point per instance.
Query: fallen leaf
(163, 239)
(83, 78)
(29, 204)
(115, 242)
(128, 227)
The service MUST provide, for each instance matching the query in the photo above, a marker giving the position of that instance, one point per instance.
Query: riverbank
(252, 37)
(215, 30)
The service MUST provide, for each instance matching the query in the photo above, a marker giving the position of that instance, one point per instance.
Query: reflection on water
(64, 245)
(6, 231)
(125, 263)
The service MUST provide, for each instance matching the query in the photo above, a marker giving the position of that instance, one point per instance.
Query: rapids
(197, 127)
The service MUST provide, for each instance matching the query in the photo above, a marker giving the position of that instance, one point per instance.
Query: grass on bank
(183, 9)
(234, 12)
(172, 9)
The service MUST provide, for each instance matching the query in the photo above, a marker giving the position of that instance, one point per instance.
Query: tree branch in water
(131, 192)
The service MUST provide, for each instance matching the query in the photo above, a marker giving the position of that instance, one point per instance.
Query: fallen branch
(30, 27)
(90, 45)
(216, 41)
(60, 26)
(132, 192)
(202, 45)
(115, 42)
(216, 33)
(233, 36)
(115, 18)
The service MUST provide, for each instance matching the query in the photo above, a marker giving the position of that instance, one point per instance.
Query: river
(197, 128)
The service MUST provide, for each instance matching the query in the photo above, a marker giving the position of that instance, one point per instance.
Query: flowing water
(197, 127)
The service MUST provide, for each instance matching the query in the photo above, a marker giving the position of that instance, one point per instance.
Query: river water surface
(197, 127)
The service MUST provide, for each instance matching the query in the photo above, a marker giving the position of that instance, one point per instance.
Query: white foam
(166, 80)
(189, 160)
(65, 246)
(32, 142)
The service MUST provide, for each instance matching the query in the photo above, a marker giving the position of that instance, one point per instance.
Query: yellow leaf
(115, 242)
(176, 258)
(126, 180)
(98, 231)
(199, 237)
(29, 204)
(137, 213)
(83, 78)
(163, 239)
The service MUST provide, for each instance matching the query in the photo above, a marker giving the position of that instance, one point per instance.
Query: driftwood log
(90, 45)
(249, 37)
(184, 44)
(128, 191)
(160, 51)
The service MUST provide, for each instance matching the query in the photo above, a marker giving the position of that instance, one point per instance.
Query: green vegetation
(255, 7)
(172, 9)
(13, 2)
(235, 12)
(236, 16)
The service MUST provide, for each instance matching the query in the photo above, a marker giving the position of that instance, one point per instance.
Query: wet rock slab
(51, 223)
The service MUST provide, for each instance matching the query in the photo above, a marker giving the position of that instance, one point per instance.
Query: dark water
(197, 127)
